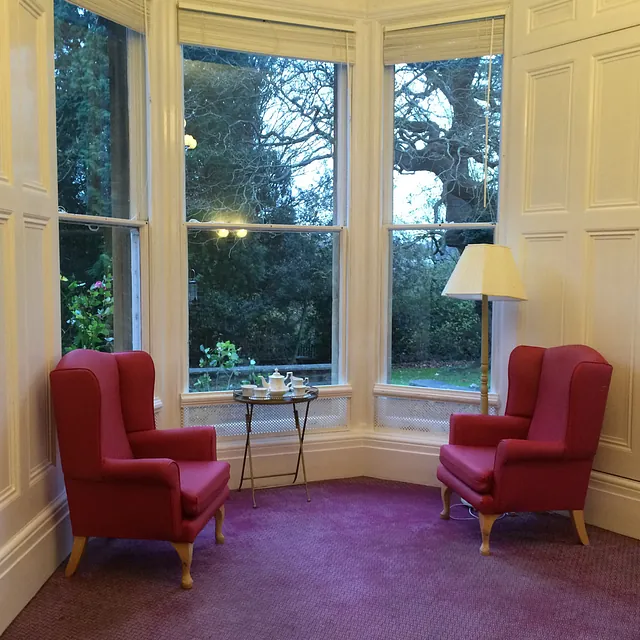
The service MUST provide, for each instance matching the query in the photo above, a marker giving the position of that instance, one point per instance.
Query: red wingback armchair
(538, 456)
(124, 478)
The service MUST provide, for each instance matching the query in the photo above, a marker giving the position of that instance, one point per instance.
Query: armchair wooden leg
(486, 522)
(577, 518)
(219, 520)
(185, 551)
(79, 544)
(445, 492)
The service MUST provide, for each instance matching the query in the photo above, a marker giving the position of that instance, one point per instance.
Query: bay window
(263, 244)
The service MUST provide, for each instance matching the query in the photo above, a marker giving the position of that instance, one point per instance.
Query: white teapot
(277, 383)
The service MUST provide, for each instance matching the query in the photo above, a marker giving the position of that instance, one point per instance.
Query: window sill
(445, 395)
(226, 397)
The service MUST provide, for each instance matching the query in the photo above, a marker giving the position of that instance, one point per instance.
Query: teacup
(299, 389)
(260, 392)
(248, 389)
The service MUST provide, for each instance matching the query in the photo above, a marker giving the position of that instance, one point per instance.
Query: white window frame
(382, 387)
(137, 99)
(342, 200)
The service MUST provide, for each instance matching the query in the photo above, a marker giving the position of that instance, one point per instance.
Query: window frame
(138, 218)
(343, 88)
(382, 387)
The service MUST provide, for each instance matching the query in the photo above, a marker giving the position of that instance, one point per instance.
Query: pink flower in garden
(98, 285)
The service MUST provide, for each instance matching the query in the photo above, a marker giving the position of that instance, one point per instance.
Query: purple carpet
(365, 560)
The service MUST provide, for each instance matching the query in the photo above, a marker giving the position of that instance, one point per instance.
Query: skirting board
(390, 457)
(31, 556)
(612, 503)
(345, 454)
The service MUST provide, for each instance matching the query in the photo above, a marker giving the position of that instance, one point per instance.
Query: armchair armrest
(510, 451)
(192, 443)
(132, 499)
(534, 475)
(485, 431)
(158, 471)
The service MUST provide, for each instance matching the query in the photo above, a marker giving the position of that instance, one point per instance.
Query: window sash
(338, 321)
(265, 37)
(133, 272)
(471, 39)
(129, 13)
(341, 159)
(136, 165)
(103, 221)
(386, 387)
(265, 228)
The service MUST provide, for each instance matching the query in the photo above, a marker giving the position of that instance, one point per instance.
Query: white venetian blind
(252, 35)
(469, 39)
(129, 13)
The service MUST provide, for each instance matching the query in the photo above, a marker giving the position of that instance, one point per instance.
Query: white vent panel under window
(229, 419)
(425, 415)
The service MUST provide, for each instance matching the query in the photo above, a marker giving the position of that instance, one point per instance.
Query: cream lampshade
(485, 272)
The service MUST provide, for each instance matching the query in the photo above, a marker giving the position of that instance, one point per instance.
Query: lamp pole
(484, 358)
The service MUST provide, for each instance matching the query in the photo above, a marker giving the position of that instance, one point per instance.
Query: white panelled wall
(570, 185)
(34, 531)
(573, 210)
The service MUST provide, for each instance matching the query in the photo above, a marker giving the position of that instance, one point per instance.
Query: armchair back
(525, 365)
(137, 381)
(572, 395)
(86, 398)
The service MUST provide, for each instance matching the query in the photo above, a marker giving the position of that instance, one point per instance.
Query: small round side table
(288, 398)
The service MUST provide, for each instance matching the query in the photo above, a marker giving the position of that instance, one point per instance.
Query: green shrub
(88, 310)
(225, 356)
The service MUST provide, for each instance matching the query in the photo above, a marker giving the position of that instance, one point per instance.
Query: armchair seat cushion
(472, 465)
(200, 482)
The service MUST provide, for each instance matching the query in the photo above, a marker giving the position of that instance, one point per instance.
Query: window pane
(92, 122)
(100, 281)
(440, 144)
(435, 341)
(262, 301)
(259, 138)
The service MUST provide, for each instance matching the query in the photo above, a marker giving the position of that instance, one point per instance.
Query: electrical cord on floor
(469, 517)
(473, 514)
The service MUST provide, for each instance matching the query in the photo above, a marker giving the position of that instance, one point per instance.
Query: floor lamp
(485, 272)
